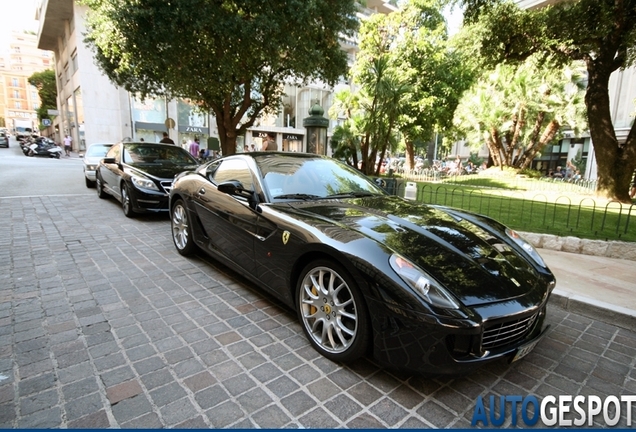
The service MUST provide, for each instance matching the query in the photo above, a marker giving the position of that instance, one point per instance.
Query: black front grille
(504, 333)
(166, 185)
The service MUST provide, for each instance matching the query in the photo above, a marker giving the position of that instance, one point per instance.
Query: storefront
(292, 142)
(258, 137)
(149, 118)
(192, 123)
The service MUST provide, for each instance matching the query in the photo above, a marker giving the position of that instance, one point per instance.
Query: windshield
(303, 177)
(97, 150)
(156, 154)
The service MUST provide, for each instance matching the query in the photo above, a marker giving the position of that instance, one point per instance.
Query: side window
(113, 152)
(233, 169)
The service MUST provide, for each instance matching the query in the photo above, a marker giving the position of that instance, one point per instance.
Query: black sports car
(426, 288)
(140, 175)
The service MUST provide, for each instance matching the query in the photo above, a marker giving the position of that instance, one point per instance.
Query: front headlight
(91, 167)
(425, 286)
(515, 237)
(143, 183)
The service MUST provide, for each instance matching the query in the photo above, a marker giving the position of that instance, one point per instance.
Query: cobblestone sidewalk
(103, 324)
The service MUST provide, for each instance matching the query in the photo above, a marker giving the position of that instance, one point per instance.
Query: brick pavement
(103, 324)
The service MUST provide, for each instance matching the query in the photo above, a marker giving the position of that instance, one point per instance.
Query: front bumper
(90, 175)
(148, 201)
(430, 345)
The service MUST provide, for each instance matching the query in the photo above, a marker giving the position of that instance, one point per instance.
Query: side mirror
(109, 160)
(235, 188)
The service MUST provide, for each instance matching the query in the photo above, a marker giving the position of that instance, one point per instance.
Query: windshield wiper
(355, 194)
(300, 196)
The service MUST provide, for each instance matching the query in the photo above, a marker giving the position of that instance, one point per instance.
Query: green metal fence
(552, 212)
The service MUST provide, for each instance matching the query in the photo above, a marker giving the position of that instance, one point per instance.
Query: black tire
(336, 322)
(99, 184)
(181, 229)
(30, 153)
(126, 203)
(57, 155)
(89, 183)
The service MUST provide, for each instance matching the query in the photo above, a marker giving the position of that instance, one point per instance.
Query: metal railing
(535, 211)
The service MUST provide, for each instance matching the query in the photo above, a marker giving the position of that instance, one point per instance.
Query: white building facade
(92, 109)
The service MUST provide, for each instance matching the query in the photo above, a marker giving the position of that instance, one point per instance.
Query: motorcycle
(43, 147)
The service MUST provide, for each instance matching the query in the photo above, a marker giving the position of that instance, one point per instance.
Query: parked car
(93, 155)
(4, 139)
(430, 289)
(140, 174)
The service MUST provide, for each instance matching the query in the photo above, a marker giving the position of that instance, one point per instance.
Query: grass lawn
(538, 206)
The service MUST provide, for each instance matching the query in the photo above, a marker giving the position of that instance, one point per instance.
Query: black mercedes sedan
(430, 289)
(140, 174)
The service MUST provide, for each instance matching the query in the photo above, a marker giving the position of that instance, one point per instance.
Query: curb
(587, 306)
(595, 309)
(607, 249)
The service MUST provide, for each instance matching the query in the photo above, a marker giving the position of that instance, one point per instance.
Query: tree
(44, 81)
(601, 33)
(437, 69)
(408, 80)
(517, 111)
(232, 57)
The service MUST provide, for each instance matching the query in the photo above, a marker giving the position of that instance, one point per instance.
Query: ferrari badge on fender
(285, 237)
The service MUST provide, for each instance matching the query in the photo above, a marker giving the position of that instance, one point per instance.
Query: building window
(18, 105)
(36, 105)
(16, 94)
(74, 61)
(16, 49)
(14, 82)
(67, 75)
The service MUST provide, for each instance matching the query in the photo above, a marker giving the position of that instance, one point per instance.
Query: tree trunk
(410, 155)
(549, 133)
(494, 146)
(533, 146)
(493, 151)
(615, 163)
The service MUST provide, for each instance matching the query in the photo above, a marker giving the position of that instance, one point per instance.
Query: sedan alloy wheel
(126, 204)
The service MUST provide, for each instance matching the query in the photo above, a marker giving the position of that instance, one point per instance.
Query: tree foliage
(44, 81)
(408, 80)
(517, 111)
(229, 56)
(601, 33)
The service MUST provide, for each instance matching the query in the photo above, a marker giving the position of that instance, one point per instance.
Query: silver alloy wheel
(125, 200)
(328, 310)
(180, 231)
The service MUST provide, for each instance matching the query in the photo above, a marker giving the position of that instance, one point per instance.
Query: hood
(160, 172)
(474, 261)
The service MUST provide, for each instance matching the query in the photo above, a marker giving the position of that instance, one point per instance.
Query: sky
(16, 15)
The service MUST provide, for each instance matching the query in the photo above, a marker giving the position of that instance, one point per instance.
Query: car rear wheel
(126, 204)
(181, 231)
(332, 311)
(99, 185)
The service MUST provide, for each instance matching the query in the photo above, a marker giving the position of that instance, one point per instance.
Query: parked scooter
(43, 147)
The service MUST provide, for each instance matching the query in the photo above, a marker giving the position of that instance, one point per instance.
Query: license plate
(524, 350)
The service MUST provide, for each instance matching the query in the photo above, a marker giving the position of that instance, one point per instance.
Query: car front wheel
(181, 230)
(332, 311)
(99, 185)
(126, 204)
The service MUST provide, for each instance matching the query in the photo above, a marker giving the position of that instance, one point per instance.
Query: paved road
(103, 324)
(21, 175)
